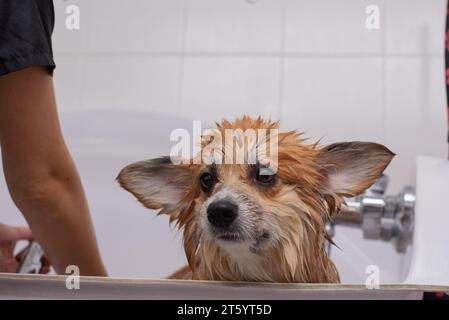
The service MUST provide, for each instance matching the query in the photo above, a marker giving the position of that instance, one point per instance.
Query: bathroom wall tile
(234, 25)
(69, 84)
(214, 88)
(415, 26)
(416, 114)
(71, 41)
(323, 26)
(115, 26)
(137, 25)
(134, 84)
(334, 98)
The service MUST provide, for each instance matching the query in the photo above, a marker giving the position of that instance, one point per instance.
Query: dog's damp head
(255, 208)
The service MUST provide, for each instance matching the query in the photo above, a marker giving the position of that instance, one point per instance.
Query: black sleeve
(25, 34)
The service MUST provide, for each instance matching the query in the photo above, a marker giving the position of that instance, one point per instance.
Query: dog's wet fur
(240, 227)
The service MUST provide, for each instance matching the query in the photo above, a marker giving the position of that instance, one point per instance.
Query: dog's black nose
(222, 213)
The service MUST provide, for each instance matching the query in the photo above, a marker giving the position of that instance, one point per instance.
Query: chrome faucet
(381, 217)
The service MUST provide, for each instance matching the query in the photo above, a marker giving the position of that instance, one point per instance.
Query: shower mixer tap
(381, 217)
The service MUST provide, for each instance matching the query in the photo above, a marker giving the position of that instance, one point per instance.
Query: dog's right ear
(157, 183)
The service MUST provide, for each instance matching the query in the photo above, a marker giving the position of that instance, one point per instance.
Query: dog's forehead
(232, 171)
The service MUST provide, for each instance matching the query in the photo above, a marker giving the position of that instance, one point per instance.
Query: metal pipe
(387, 218)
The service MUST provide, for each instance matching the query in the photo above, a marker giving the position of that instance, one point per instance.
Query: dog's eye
(207, 181)
(265, 176)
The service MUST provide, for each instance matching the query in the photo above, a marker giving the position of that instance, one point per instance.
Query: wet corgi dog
(243, 222)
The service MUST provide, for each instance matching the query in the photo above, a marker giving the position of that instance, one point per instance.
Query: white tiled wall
(415, 26)
(310, 63)
(234, 26)
(335, 98)
(325, 27)
(225, 87)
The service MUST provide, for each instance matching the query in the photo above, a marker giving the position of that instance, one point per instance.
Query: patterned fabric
(435, 296)
(447, 63)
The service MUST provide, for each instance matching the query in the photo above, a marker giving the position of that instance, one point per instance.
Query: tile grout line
(182, 57)
(259, 54)
(384, 72)
(281, 72)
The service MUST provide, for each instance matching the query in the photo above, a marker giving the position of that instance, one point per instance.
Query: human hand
(9, 236)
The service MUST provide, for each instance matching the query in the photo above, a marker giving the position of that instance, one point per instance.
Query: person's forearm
(59, 217)
(40, 173)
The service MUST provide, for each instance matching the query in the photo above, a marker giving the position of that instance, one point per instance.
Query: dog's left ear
(349, 168)
(157, 183)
